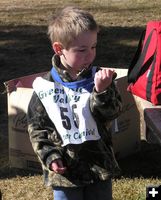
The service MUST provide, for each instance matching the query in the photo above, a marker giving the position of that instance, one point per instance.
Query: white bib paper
(69, 111)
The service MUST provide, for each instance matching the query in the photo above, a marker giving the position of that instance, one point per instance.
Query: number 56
(66, 120)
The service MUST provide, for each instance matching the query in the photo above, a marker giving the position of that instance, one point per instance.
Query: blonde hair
(68, 24)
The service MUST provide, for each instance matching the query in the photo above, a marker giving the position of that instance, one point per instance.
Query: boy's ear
(57, 47)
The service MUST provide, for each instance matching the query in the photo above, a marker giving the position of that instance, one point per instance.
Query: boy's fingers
(61, 170)
(58, 167)
(59, 163)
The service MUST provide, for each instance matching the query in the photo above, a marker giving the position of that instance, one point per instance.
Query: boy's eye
(79, 50)
(85, 49)
(82, 50)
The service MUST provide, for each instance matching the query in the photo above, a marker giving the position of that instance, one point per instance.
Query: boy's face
(81, 52)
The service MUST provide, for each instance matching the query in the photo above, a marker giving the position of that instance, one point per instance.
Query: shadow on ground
(26, 49)
(145, 163)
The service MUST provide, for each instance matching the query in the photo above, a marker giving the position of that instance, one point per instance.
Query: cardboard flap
(24, 82)
(120, 72)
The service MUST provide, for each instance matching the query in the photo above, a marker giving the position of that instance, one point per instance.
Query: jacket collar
(63, 73)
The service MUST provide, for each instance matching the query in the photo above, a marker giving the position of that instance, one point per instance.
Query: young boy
(71, 110)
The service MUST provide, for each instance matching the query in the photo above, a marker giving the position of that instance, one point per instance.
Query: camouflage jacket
(88, 162)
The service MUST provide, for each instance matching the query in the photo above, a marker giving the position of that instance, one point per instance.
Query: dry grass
(25, 49)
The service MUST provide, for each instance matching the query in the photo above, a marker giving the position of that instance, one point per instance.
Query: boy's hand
(57, 166)
(103, 78)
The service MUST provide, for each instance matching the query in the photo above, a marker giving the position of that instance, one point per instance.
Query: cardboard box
(147, 132)
(21, 154)
(126, 135)
(126, 128)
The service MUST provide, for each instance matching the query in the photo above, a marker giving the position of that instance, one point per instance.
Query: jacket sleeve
(45, 140)
(106, 106)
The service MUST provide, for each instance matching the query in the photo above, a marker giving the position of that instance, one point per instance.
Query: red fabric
(144, 82)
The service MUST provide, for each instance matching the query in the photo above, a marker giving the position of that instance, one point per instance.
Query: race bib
(69, 110)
